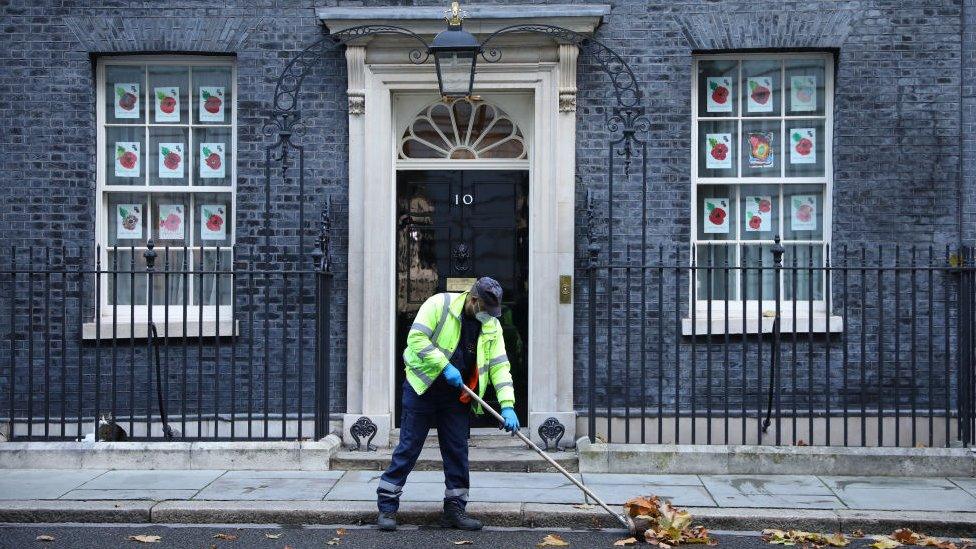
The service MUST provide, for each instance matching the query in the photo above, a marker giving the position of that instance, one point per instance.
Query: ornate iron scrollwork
(551, 429)
(461, 255)
(363, 428)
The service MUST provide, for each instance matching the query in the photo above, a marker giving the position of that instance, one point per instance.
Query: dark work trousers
(437, 407)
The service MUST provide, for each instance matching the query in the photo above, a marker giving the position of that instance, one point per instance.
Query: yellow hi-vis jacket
(433, 337)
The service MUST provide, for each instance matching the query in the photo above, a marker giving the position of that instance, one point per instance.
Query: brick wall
(897, 140)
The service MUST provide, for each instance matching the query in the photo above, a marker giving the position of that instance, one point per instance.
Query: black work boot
(455, 517)
(386, 521)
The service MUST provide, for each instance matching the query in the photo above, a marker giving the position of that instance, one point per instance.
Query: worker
(455, 339)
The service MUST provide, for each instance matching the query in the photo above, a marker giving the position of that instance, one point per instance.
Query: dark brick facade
(904, 152)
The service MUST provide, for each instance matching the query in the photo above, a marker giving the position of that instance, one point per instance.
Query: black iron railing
(234, 348)
(865, 348)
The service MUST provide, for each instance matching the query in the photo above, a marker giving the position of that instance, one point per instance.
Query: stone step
(479, 459)
(479, 440)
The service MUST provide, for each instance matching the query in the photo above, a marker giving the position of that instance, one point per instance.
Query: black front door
(455, 226)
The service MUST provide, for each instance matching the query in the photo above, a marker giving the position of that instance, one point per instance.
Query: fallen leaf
(583, 506)
(463, 542)
(906, 536)
(225, 537)
(552, 540)
(936, 542)
(884, 542)
(333, 541)
(271, 536)
(341, 532)
(625, 541)
(44, 537)
(643, 506)
(857, 534)
(794, 537)
(145, 538)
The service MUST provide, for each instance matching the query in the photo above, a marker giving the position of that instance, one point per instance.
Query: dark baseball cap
(489, 291)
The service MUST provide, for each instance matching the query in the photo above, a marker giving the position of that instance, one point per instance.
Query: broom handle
(546, 457)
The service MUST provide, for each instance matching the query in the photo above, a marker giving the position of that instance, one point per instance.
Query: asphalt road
(106, 536)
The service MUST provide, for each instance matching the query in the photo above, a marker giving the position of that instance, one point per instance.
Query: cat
(109, 430)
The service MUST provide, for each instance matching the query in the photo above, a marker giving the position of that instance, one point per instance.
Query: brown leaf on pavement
(857, 534)
(552, 540)
(340, 531)
(145, 538)
(885, 542)
(44, 537)
(463, 542)
(906, 536)
(225, 537)
(625, 542)
(936, 542)
(805, 539)
(271, 536)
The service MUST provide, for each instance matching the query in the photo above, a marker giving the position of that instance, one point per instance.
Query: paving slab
(527, 495)
(683, 496)
(333, 475)
(127, 479)
(518, 480)
(966, 483)
(366, 491)
(723, 485)
(844, 483)
(372, 476)
(908, 499)
(642, 480)
(150, 495)
(263, 488)
(19, 484)
(778, 501)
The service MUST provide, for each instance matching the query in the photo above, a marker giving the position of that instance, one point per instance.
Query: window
(761, 130)
(167, 140)
(462, 129)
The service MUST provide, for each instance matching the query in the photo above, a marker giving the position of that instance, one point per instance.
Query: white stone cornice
(481, 19)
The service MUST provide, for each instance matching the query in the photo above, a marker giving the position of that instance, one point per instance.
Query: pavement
(935, 505)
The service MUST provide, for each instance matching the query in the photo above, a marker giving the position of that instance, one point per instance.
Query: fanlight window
(462, 129)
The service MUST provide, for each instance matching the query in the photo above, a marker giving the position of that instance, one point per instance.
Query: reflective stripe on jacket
(433, 337)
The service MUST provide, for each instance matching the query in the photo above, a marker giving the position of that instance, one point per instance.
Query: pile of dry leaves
(904, 536)
(663, 525)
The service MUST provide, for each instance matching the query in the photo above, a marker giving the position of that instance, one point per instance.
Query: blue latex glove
(452, 375)
(511, 420)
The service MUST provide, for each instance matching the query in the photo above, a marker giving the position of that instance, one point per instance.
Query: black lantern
(454, 51)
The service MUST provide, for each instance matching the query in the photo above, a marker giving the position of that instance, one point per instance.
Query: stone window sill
(140, 329)
(738, 325)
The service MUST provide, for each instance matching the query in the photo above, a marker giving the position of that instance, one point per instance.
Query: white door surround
(546, 73)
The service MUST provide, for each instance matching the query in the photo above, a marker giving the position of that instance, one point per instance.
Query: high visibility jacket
(434, 335)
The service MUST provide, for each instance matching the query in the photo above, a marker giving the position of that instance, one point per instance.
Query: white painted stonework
(536, 85)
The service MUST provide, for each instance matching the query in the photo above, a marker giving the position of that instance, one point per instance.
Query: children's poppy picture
(126, 97)
(803, 146)
(212, 161)
(718, 151)
(128, 221)
(761, 150)
(718, 94)
(759, 98)
(716, 216)
(127, 159)
(759, 213)
(172, 157)
(211, 102)
(167, 104)
(803, 213)
(803, 93)
(213, 222)
(171, 224)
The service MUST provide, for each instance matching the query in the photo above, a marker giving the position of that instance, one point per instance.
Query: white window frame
(757, 316)
(135, 318)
